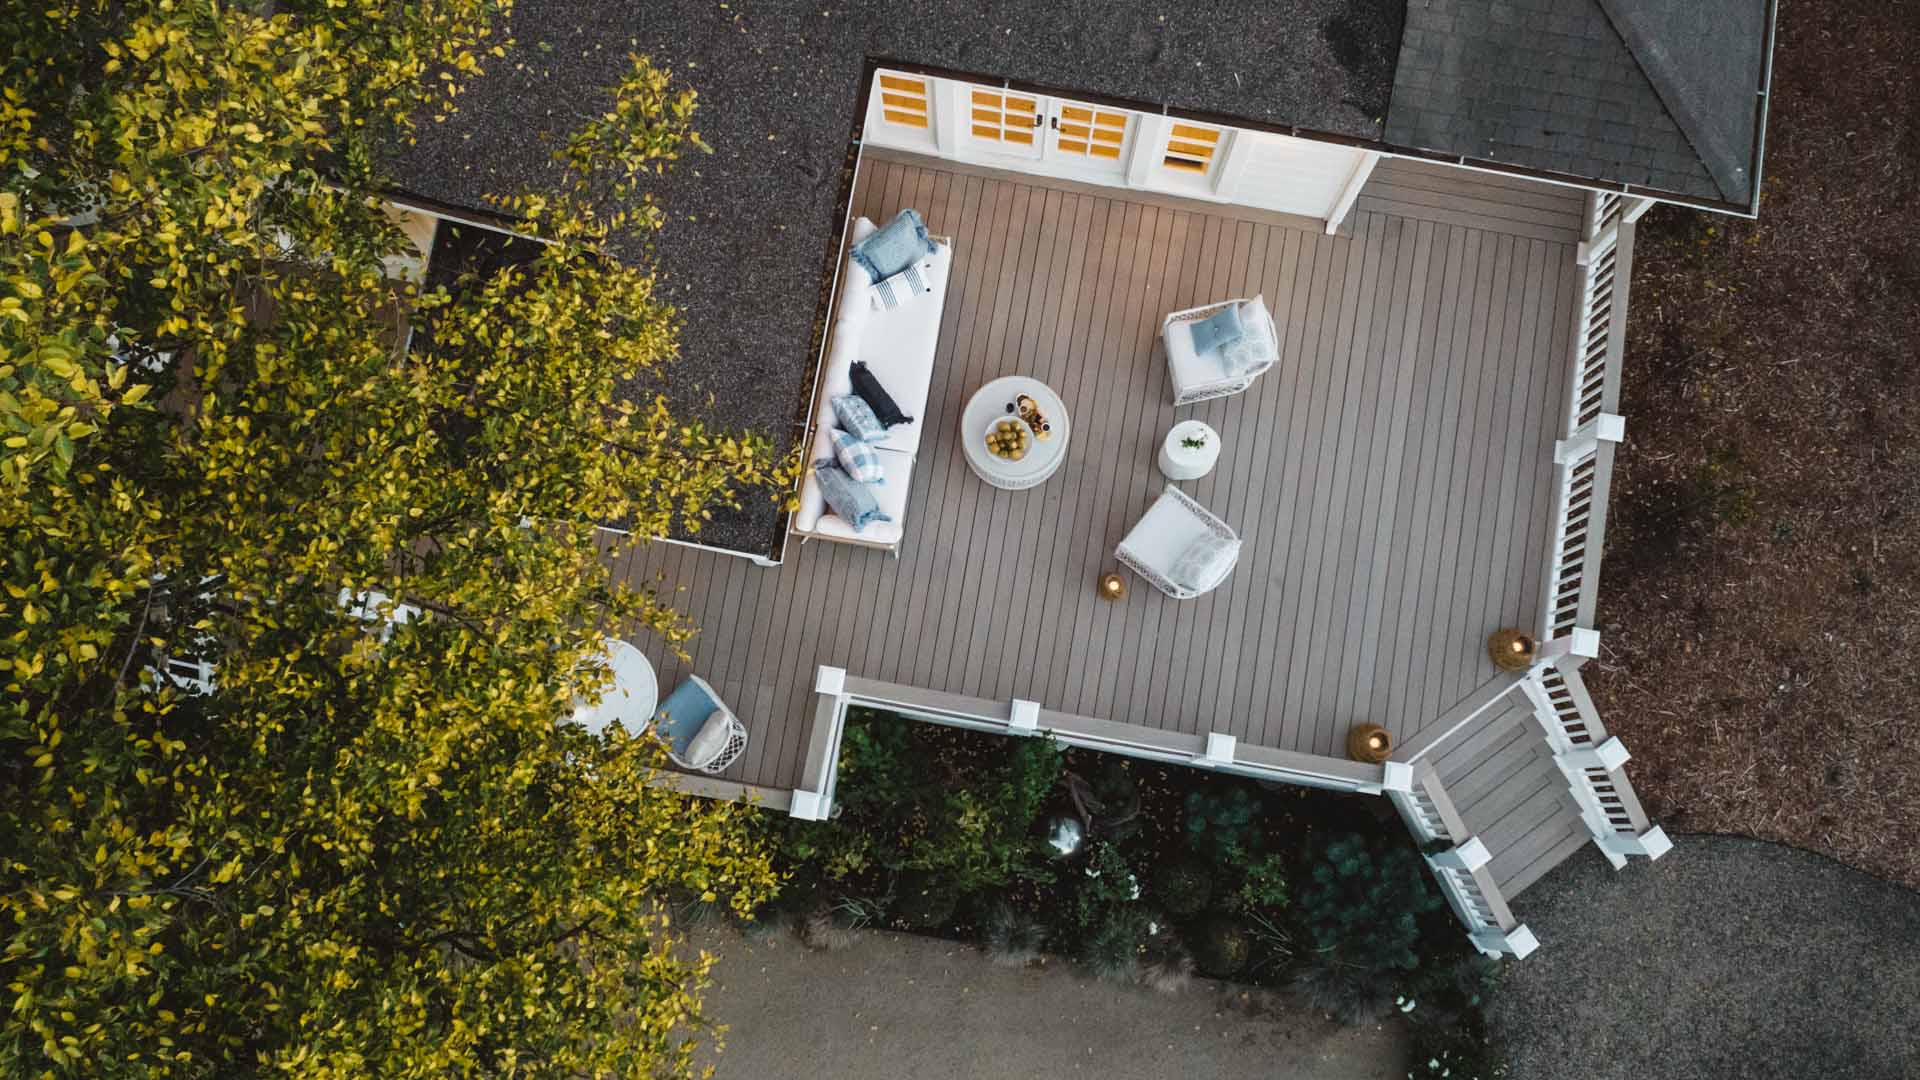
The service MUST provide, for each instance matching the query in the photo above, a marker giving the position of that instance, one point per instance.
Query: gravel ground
(751, 227)
(1727, 958)
(897, 1005)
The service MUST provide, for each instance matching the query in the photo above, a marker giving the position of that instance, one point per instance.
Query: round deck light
(1370, 743)
(1112, 587)
(1510, 650)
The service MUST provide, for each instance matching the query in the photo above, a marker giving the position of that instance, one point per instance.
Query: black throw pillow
(876, 397)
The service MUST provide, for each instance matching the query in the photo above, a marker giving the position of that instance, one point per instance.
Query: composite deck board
(1391, 476)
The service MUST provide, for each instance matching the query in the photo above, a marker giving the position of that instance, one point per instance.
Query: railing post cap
(1398, 777)
(1521, 942)
(1655, 841)
(1610, 427)
(829, 680)
(1220, 748)
(1024, 716)
(1585, 642)
(807, 806)
(1612, 753)
(1473, 854)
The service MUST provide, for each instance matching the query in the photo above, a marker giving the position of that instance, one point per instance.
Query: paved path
(898, 1006)
(1727, 958)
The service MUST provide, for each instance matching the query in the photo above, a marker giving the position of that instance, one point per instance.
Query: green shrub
(1446, 1007)
(1220, 824)
(1361, 909)
(1221, 946)
(1183, 886)
(922, 901)
(1364, 901)
(1166, 964)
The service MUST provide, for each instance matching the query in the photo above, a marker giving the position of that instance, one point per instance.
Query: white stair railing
(1593, 763)
(1461, 869)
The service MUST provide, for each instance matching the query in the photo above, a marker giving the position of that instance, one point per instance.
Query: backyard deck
(1392, 476)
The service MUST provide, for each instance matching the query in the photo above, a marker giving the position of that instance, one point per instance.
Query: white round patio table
(630, 700)
(990, 403)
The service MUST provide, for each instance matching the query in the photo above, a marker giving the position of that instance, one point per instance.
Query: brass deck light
(1112, 586)
(1510, 650)
(1370, 743)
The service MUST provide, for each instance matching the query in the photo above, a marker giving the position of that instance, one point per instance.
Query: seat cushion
(684, 711)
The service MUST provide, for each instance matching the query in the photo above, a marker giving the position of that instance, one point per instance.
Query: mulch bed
(1760, 609)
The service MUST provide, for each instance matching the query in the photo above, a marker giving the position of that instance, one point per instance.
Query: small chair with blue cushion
(1219, 349)
(701, 733)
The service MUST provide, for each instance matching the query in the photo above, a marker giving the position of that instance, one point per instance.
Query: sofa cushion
(850, 500)
(866, 385)
(894, 246)
(857, 419)
(860, 460)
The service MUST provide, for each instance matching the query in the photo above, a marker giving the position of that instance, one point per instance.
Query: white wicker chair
(1196, 376)
(686, 713)
(1165, 532)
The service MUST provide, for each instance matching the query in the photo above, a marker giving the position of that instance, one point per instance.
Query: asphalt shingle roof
(752, 225)
(1657, 93)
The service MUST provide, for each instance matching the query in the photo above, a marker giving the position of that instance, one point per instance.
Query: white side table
(1180, 461)
(630, 700)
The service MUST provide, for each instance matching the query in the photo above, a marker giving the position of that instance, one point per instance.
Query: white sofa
(898, 347)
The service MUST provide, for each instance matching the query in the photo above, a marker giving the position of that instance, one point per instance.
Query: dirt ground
(1760, 608)
(900, 1005)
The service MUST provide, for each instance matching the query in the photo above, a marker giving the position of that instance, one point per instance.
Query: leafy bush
(1221, 946)
(1012, 937)
(1265, 885)
(1166, 964)
(1183, 886)
(1221, 824)
(1104, 886)
(910, 803)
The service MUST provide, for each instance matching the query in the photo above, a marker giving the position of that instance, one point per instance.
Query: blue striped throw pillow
(914, 281)
(861, 461)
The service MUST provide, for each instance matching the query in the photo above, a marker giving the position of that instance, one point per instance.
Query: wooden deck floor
(1391, 475)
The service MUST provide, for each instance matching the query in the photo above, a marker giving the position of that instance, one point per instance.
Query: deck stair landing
(1503, 781)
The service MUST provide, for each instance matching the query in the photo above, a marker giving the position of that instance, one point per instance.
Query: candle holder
(1511, 650)
(1370, 743)
(1111, 587)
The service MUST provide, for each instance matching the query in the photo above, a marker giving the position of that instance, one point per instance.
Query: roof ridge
(1723, 162)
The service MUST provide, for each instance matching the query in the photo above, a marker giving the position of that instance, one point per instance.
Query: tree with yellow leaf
(356, 842)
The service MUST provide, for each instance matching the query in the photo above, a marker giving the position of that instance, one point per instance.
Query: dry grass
(1761, 608)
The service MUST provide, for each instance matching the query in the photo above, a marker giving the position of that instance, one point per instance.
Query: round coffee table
(991, 403)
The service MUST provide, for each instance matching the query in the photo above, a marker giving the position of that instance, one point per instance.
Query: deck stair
(1509, 792)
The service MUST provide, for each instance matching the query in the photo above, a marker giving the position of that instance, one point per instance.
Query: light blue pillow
(861, 461)
(1217, 330)
(895, 246)
(857, 419)
(850, 500)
